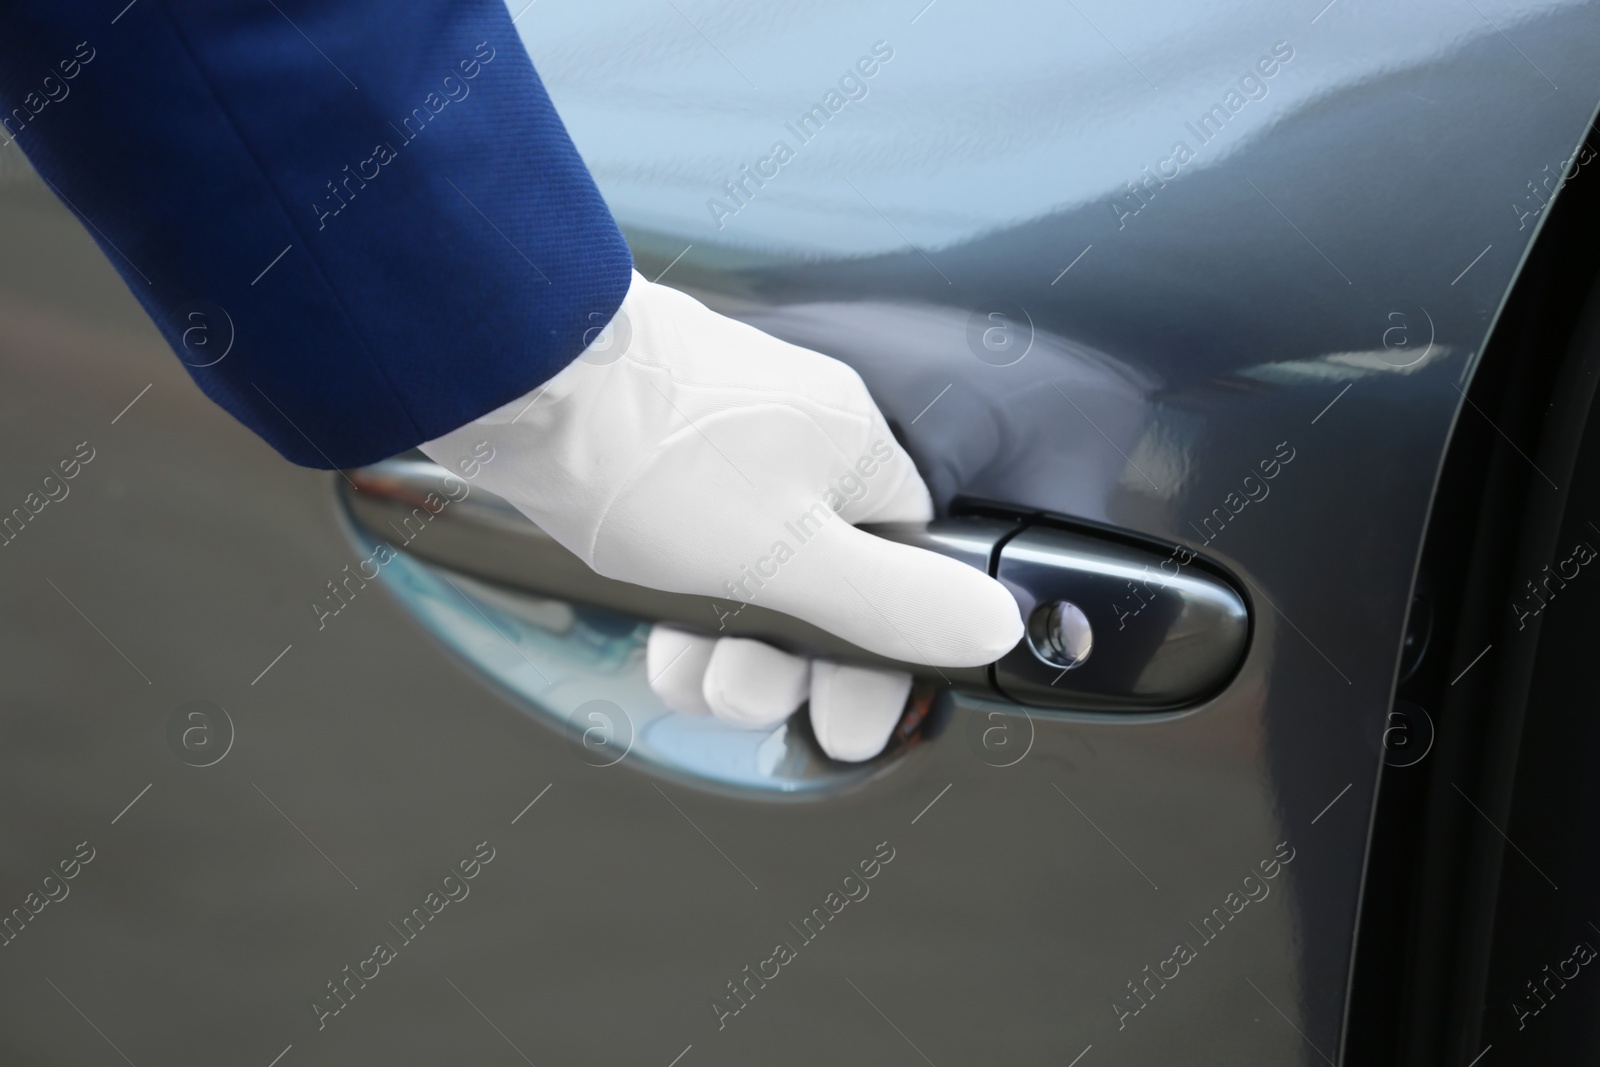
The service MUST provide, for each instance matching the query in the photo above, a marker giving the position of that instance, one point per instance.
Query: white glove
(750, 683)
(689, 452)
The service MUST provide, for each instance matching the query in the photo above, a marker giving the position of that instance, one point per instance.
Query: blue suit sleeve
(359, 223)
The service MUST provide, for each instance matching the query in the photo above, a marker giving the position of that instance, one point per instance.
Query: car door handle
(1112, 626)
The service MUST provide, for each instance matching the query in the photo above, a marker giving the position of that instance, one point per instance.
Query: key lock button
(1059, 633)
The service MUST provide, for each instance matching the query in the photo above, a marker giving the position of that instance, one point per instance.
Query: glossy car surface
(1260, 358)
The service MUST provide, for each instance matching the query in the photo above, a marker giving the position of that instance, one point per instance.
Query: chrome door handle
(1153, 635)
(1111, 627)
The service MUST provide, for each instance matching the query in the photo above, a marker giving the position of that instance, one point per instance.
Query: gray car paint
(1220, 321)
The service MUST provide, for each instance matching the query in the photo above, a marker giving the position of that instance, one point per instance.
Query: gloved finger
(855, 709)
(753, 684)
(675, 663)
(881, 484)
(898, 601)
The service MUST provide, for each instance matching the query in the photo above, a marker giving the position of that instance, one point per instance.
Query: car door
(1201, 285)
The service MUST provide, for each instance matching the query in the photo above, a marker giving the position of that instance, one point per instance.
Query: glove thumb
(898, 601)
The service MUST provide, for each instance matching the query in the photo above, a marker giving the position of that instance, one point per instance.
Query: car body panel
(1243, 314)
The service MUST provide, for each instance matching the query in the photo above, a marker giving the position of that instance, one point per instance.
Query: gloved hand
(750, 683)
(689, 452)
